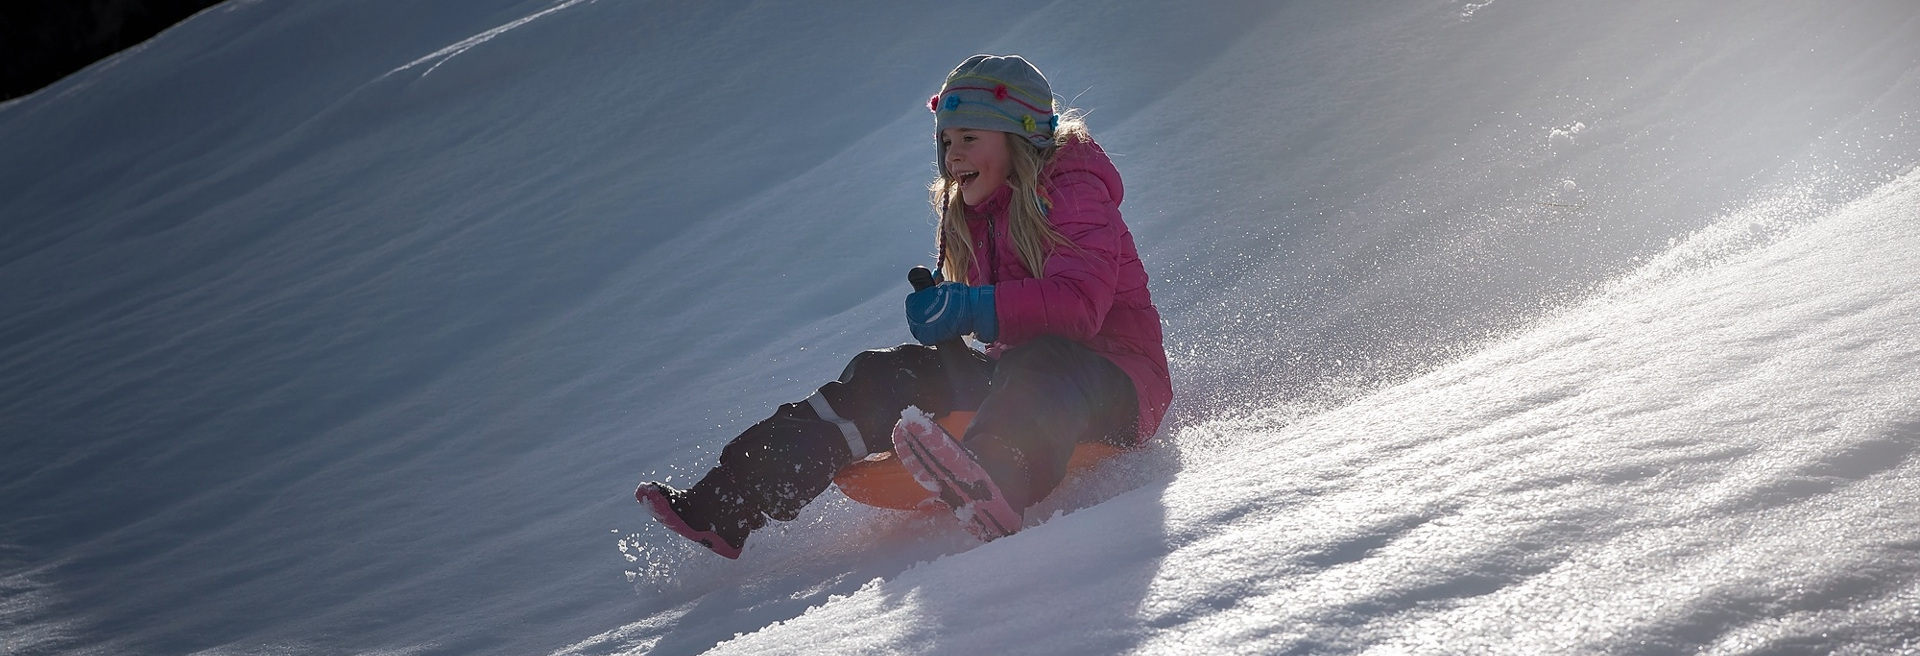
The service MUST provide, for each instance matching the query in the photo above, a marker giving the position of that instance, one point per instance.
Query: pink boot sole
(941, 465)
(655, 499)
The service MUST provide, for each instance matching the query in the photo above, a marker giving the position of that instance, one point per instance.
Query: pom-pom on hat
(991, 92)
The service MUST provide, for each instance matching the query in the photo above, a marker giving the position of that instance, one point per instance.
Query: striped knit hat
(989, 92)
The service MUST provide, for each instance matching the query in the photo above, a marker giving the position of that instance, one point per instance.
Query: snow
(1738, 478)
(1497, 327)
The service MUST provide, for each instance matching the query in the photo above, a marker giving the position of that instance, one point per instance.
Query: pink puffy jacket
(1095, 295)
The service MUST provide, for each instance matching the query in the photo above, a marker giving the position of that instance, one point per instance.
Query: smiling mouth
(966, 178)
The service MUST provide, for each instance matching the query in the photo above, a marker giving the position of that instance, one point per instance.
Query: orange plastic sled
(884, 483)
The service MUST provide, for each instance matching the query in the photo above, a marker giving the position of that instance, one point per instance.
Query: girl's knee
(1044, 352)
(884, 362)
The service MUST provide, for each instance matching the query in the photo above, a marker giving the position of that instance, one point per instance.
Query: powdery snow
(1713, 461)
(1497, 327)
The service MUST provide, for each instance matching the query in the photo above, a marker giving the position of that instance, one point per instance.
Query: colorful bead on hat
(990, 92)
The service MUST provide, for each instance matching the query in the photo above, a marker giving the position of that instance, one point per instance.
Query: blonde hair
(1033, 237)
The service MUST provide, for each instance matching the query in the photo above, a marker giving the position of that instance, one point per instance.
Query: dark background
(42, 41)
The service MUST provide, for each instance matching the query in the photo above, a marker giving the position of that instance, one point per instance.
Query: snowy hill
(1497, 327)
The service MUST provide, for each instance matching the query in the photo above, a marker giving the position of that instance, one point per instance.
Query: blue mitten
(949, 310)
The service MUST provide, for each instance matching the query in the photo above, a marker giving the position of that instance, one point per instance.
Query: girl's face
(978, 160)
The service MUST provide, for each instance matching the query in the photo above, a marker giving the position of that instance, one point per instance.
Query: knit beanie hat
(989, 92)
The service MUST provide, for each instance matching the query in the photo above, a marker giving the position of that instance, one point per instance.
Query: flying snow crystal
(1565, 134)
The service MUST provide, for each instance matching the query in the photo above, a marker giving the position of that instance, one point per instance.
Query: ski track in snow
(442, 56)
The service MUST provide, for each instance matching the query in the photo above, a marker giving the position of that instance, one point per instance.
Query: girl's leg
(1048, 396)
(778, 465)
(782, 463)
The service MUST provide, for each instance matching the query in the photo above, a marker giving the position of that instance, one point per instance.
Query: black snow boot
(720, 527)
(772, 470)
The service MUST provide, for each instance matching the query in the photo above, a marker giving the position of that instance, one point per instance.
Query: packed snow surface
(1497, 327)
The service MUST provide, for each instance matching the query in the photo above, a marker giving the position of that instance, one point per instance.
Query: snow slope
(1716, 459)
(348, 327)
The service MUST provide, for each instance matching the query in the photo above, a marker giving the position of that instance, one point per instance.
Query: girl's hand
(949, 310)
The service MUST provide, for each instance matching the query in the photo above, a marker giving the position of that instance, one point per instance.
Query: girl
(1041, 269)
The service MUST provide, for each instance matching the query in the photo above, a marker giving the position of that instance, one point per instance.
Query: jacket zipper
(993, 253)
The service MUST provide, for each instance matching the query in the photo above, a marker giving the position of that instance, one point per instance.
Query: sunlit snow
(1497, 327)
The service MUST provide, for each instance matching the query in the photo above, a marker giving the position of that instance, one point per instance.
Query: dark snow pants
(1041, 399)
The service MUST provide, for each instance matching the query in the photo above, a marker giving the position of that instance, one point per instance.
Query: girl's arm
(1078, 288)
